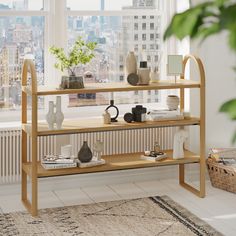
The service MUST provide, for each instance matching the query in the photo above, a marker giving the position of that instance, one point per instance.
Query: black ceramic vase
(85, 153)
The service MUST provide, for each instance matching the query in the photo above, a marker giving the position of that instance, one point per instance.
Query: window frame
(56, 14)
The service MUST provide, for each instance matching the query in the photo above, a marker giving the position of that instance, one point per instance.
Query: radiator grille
(125, 141)
(10, 153)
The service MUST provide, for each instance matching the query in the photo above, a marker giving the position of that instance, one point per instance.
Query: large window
(29, 27)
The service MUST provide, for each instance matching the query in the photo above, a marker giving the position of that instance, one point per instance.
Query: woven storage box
(222, 176)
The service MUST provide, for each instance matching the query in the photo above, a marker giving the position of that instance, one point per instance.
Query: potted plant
(80, 53)
(203, 20)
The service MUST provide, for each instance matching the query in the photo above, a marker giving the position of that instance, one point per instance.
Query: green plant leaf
(232, 36)
(229, 107)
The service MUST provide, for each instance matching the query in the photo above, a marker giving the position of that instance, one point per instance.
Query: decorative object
(66, 151)
(144, 76)
(157, 147)
(179, 138)
(50, 117)
(133, 79)
(187, 115)
(80, 54)
(85, 153)
(143, 64)
(139, 113)
(175, 65)
(92, 163)
(98, 148)
(131, 63)
(113, 119)
(163, 215)
(128, 117)
(158, 115)
(154, 75)
(106, 117)
(172, 102)
(59, 117)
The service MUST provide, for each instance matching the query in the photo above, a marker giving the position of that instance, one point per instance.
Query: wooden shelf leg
(24, 159)
(181, 173)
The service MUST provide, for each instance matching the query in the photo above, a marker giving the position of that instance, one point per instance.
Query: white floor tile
(128, 191)
(11, 203)
(101, 193)
(49, 200)
(153, 188)
(71, 197)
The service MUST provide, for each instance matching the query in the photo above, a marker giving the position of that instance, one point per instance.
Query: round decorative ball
(133, 79)
(128, 117)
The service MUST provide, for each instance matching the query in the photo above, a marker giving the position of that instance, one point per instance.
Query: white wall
(218, 60)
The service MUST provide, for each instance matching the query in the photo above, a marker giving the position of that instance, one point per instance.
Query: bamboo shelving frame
(34, 129)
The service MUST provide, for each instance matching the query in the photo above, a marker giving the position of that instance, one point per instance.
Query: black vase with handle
(85, 153)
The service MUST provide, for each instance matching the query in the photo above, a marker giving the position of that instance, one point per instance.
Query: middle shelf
(96, 125)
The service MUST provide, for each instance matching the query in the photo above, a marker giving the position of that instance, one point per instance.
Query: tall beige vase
(131, 63)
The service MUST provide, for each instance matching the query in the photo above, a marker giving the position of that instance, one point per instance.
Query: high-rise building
(141, 34)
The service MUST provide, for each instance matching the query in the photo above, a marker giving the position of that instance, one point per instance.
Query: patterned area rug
(144, 217)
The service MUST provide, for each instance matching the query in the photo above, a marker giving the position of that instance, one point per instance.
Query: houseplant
(200, 22)
(80, 53)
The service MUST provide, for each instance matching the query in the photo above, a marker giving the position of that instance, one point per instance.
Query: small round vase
(172, 102)
(85, 153)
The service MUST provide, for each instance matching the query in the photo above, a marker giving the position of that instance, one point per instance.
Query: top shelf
(114, 87)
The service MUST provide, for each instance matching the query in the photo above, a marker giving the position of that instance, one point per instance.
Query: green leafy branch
(202, 21)
(80, 53)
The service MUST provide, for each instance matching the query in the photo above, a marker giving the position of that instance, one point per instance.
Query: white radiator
(125, 141)
(10, 153)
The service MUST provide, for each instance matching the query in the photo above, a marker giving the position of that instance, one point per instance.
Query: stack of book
(158, 115)
(50, 162)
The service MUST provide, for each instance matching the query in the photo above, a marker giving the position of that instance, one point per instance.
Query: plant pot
(72, 82)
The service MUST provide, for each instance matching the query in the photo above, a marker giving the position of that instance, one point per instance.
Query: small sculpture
(179, 139)
(59, 116)
(106, 117)
(98, 148)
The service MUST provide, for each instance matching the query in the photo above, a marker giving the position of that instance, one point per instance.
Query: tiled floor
(218, 208)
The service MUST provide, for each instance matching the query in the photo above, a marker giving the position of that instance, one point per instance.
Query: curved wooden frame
(198, 62)
(32, 207)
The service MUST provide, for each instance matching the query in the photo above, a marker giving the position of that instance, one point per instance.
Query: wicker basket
(221, 176)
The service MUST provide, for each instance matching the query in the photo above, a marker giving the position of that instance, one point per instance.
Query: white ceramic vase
(172, 102)
(59, 116)
(50, 117)
(131, 63)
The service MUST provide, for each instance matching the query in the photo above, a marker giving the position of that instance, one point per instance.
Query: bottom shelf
(115, 162)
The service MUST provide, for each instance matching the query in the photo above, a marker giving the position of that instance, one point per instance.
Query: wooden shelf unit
(34, 170)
